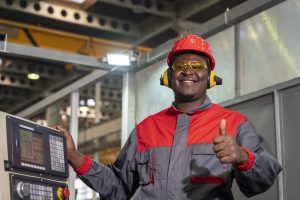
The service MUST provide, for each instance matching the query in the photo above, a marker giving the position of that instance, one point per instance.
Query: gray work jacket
(170, 156)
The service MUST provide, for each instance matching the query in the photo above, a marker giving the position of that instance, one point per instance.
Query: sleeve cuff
(248, 165)
(84, 167)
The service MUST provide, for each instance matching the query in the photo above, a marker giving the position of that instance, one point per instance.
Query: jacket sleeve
(265, 168)
(119, 180)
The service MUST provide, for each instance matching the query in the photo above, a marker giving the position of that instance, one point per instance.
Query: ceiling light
(78, 1)
(33, 76)
(84, 108)
(118, 59)
(63, 117)
(90, 102)
(82, 102)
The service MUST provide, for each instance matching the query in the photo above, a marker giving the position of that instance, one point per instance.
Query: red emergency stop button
(66, 192)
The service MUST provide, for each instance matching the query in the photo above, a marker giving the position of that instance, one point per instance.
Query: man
(192, 150)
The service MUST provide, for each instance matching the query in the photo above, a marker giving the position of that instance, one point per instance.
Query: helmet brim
(170, 58)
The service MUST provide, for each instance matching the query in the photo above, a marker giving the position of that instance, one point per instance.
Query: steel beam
(9, 30)
(236, 14)
(18, 81)
(8, 27)
(154, 27)
(34, 98)
(98, 102)
(45, 70)
(74, 132)
(183, 27)
(74, 16)
(263, 92)
(192, 7)
(128, 106)
(41, 54)
(237, 61)
(152, 10)
(13, 94)
(89, 79)
(100, 131)
(279, 145)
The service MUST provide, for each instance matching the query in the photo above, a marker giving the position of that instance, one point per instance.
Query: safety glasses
(196, 66)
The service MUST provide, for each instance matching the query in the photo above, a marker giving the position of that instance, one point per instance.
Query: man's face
(189, 77)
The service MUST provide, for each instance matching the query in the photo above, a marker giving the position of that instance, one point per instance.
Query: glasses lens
(196, 66)
(179, 66)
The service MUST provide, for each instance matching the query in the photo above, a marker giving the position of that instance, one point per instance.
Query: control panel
(33, 161)
(35, 148)
(25, 187)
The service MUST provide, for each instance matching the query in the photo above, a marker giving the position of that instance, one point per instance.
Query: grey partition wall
(290, 123)
(261, 113)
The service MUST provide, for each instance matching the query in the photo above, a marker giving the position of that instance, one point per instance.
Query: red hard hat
(193, 43)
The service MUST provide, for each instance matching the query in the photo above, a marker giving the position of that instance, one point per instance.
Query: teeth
(187, 81)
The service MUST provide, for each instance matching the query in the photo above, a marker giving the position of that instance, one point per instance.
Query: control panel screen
(35, 149)
(31, 144)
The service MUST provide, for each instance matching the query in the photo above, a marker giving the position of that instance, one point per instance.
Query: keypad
(41, 192)
(57, 153)
(32, 166)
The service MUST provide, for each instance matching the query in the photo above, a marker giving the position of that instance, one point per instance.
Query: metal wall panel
(290, 99)
(269, 44)
(260, 111)
(150, 96)
(222, 46)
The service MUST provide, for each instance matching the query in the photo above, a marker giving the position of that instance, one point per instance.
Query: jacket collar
(206, 104)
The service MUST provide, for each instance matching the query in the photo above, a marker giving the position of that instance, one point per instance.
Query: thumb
(223, 127)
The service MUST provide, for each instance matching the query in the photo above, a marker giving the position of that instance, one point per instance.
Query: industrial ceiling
(139, 24)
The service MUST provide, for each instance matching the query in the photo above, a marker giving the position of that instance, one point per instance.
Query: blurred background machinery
(49, 49)
(87, 27)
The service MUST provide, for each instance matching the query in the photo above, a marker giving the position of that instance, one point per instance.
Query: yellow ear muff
(164, 79)
(214, 79)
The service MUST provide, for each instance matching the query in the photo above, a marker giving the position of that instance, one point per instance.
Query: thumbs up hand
(226, 149)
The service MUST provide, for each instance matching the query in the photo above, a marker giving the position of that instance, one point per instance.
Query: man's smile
(188, 80)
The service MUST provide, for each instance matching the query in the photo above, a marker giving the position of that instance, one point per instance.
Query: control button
(66, 192)
(23, 189)
(60, 193)
(63, 193)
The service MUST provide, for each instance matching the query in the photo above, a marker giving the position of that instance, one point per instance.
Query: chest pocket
(145, 168)
(205, 166)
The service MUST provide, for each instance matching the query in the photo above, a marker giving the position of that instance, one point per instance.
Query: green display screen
(31, 144)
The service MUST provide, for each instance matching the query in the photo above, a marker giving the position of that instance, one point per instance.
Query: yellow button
(60, 193)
